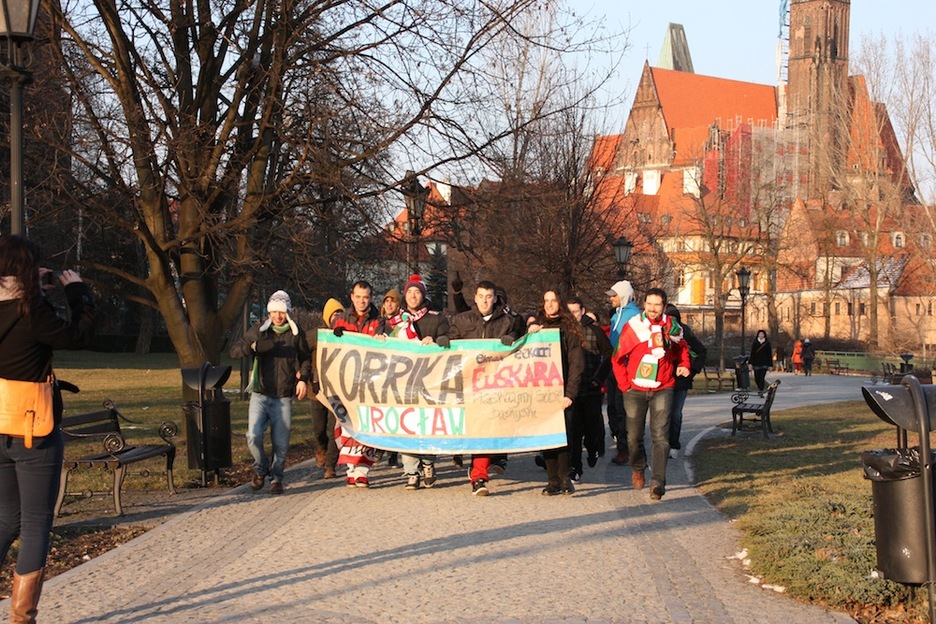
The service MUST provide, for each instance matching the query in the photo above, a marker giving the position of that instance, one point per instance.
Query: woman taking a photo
(30, 469)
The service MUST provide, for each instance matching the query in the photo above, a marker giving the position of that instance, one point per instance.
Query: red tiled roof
(693, 100)
(604, 151)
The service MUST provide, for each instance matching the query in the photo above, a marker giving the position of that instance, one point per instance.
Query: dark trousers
(588, 427)
(323, 432)
(617, 418)
(760, 377)
(557, 459)
(675, 423)
(29, 482)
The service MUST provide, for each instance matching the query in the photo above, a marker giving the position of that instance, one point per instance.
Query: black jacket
(27, 343)
(433, 324)
(280, 356)
(471, 324)
(761, 354)
(573, 355)
(697, 353)
(597, 352)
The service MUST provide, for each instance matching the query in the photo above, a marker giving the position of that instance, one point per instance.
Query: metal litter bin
(208, 420)
(742, 373)
(899, 520)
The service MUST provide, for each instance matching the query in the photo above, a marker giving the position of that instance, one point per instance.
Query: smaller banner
(479, 396)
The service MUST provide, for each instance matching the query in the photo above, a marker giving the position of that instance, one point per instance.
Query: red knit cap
(415, 281)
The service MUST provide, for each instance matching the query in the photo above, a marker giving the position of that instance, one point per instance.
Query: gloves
(339, 331)
(507, 340)
(444, 342)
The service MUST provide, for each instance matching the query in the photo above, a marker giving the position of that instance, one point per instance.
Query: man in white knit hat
(281, 369)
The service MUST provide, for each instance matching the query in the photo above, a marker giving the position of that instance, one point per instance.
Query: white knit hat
(279, 302)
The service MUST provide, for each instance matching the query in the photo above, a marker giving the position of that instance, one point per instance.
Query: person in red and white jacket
(651, 349)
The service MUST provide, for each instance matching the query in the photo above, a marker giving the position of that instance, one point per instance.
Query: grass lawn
(805, 507)
(149, 389)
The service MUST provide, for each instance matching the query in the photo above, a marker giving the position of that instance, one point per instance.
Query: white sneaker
(412, 482)
(673, 453)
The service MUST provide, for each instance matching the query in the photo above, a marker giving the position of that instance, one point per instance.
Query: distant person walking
(797, 357)
(761, 359)
(30, 330)
(780, 359)
(809, 355)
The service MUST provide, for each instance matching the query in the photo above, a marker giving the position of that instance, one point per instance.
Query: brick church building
(803, 183)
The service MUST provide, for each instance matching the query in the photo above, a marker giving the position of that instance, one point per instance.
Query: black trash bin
(208, 420)
(742, 374)
(213, 439)
(899, 518)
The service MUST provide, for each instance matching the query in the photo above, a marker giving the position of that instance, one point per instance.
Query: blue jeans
(412, 463)
(637, 403)
(675, 423)
(276, 413)
(29, 482)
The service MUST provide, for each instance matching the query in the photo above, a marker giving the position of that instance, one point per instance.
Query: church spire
(675, 52)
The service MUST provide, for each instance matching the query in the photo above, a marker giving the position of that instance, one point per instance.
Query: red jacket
(649, 353)
(364, 324)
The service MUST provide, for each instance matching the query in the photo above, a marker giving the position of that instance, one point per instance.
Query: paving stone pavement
(325, 553)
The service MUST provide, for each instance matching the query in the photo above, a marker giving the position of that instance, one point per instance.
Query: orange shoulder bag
(26, 409)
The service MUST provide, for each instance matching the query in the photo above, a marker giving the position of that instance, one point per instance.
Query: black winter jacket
(697, 352)
(26, 343)
(280, 357)
(597, 352)
(471, 324)
(573, 355)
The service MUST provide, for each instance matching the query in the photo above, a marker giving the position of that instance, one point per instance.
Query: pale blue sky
(736, 39)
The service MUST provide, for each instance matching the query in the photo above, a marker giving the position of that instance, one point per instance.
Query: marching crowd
(644, 362)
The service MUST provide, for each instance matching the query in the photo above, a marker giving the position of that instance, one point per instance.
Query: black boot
(565, 484)
(554, 484)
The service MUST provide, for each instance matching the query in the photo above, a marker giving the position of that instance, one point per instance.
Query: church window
(807, 36)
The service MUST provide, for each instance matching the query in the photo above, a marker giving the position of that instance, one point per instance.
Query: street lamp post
(416, 195)
(623, 249)
(17, 27)
(744, 282)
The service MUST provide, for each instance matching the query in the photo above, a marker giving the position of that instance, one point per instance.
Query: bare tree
(550, 217)
(219, 124)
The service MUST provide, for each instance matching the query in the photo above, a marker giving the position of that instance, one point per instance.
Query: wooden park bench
(104, 427)
(836, 367)
(758, 411)
(715, 379)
